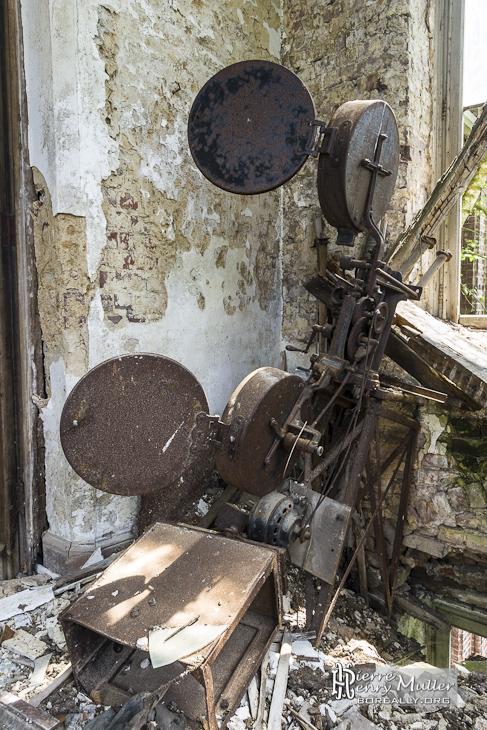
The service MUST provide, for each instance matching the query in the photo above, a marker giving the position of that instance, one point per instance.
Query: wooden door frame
(22, 507)
(448, 133)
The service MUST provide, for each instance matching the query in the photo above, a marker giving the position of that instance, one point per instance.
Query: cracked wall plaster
(345, 50)
(139, 252)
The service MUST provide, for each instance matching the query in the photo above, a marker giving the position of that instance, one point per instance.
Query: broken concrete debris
(309, 682)
(25, 646)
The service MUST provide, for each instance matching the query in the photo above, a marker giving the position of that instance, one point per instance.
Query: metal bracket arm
(320, 143)
(209, 431)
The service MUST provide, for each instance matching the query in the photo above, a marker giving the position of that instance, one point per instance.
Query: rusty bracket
(210, 431)
(316, 144)
(389, 281)
(310, 444)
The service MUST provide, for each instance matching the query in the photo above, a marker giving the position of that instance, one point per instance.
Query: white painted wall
(160, 42)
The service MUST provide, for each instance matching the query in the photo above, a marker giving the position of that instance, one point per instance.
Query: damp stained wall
(345, 50)
(136, 251)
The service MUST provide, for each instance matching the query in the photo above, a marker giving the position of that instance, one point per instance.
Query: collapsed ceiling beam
(438, 356)
(410, 246)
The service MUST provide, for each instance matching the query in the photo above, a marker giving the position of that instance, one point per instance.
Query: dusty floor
(356, 634)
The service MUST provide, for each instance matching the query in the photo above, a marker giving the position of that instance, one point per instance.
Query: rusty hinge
(317, 143)
(210, 431)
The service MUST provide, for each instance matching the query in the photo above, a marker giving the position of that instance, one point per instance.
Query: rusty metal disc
(343, 181)
(245, 130)
(126, 425)
(264, 394)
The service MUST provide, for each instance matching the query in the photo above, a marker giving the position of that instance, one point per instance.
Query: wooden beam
(17, 714)
(431, 617)
(439, 356)
(280, 684)
(398, 350)
(449, 188)
(229, 494)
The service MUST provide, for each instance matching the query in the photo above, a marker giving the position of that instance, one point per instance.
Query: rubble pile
(35, 667)
(357, 635)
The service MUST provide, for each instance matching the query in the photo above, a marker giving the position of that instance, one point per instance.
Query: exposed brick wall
(465, 645)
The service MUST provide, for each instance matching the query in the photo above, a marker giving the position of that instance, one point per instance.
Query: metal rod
(397, 284)
(326, 618)
(441, 258)
(401, 513)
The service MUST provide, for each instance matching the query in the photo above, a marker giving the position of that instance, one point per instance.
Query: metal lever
(325, 330)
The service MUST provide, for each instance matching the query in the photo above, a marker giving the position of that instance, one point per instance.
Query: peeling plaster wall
(345, 50)
(136, 251)
(449, 497)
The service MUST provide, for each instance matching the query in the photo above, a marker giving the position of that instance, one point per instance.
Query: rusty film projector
(135, 423)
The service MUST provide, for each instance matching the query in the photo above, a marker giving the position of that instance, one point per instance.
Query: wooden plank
(438, 355)
(463, 616)
(16, 714)
(280, 684)
(228, 495)
(253, 693)
(463, 362)
(56, 682)
(414, 608)
(262, 693)
(398, 349)
(446, 193)
(302, 721)
(479, 321)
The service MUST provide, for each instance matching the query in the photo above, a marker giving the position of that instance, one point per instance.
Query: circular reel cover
(126, 425)
(264, 394)
(245, 130)
(343, 181)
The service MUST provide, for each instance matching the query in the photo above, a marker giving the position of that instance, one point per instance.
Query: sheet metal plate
(134, 417)
(173, 575)
(343, 181)
(320, 555)
(245, 124)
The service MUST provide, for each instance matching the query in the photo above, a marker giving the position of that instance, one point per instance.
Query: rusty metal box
(175, 576)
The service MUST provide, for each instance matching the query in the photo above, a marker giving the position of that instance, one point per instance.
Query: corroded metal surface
(126, 426)
(344, 173)
(178, 576)
(265, 394)
(245, 127)
(171, 576)
(275, 520)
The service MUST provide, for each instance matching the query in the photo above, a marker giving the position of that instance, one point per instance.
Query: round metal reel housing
(343, 181)
(126, 425)
(264, 394)
(245, 130)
